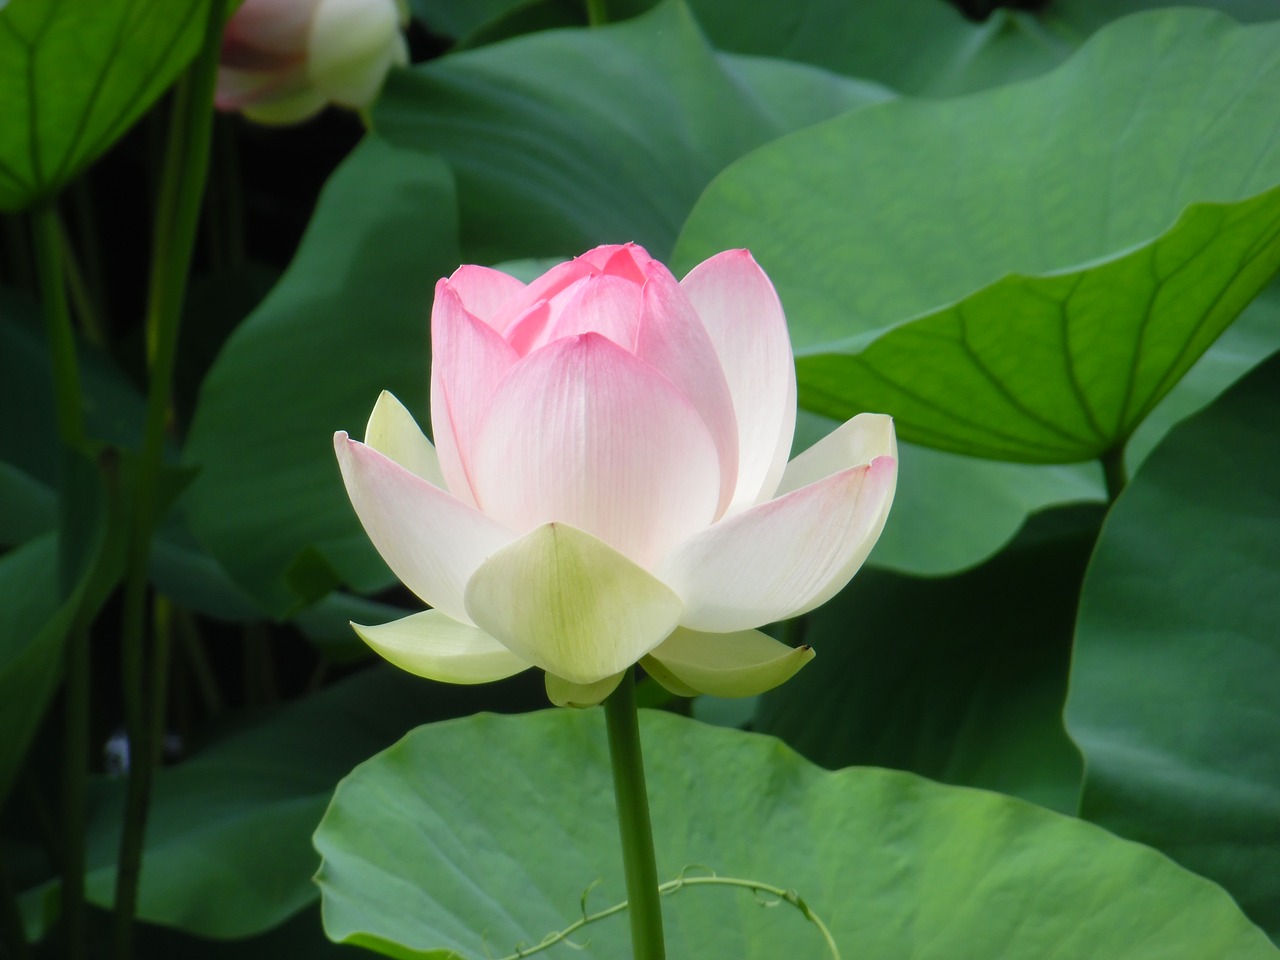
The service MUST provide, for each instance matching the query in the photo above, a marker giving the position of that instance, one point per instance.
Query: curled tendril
(766, 894)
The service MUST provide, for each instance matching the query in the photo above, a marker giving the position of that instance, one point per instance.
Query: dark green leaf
(348, 319)
(1173, 687)
(557, 146)
(960, 679)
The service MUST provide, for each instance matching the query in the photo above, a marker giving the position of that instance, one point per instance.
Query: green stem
(1113, 471)
(46, 235)
(90, 323)
(638, 860)
(597, 14)
(75, 789)
(182, 187)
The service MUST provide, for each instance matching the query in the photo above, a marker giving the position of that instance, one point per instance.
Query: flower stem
(181, 191)
(638, 860)
(597, 14)
(1113, 471)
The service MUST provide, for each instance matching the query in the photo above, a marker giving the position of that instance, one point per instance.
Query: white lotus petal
(784, 557)
(432, 645)
(571, 604)
(744, 318)
(431, 540)
(353, 43)
(738, 664)
(394, 433)
(857, 441)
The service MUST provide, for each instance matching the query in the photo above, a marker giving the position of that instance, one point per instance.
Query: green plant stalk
(47, 241)
(178, 211)
(1113, 471)
(75, 789)
(69, 409)
(597, 13)
(638, 861)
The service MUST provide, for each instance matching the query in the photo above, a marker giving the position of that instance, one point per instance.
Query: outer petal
(432, 541)
(569, 603)
(739, 664)
(468, 359)
(742, 314)
(353, 44)
(277, 27)
(784, 557)
(565, 694)
(394, 433)
(431, 645)
(673, 340)
(584, 433)
(484, 290)
(856, 441)
(281, 108)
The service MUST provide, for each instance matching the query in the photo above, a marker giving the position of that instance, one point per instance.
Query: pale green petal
(394, 433)
(432, 645)
(571, 603)
(739, 664)
(565, 694)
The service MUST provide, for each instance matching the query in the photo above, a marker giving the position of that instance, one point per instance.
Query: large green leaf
(557, 146)
(348, 319)
(74, 74)
(960, 679)
(1177, 663)
(470, 837)
(1023, 273)
(925, 46)
(952, 512)
(228, 850)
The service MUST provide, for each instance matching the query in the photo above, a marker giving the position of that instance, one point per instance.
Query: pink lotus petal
(583, 432)
(609, 306)
(432, 541)
(742, 315)
(468, 359)
(784, 557)
(483, 290)
(672, 338)
(544, 288)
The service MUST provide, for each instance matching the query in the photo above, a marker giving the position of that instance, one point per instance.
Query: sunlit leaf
(472, 837)
(74, 75)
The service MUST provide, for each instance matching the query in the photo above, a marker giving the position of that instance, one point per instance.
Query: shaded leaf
(348, 319)
(558, 148)
(1173, 686)
(959, 679)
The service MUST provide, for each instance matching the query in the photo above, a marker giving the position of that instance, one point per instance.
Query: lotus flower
(609, 482)
(283, 60)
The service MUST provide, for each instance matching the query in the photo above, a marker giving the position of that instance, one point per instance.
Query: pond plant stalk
(178, 211)
(644, 897)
